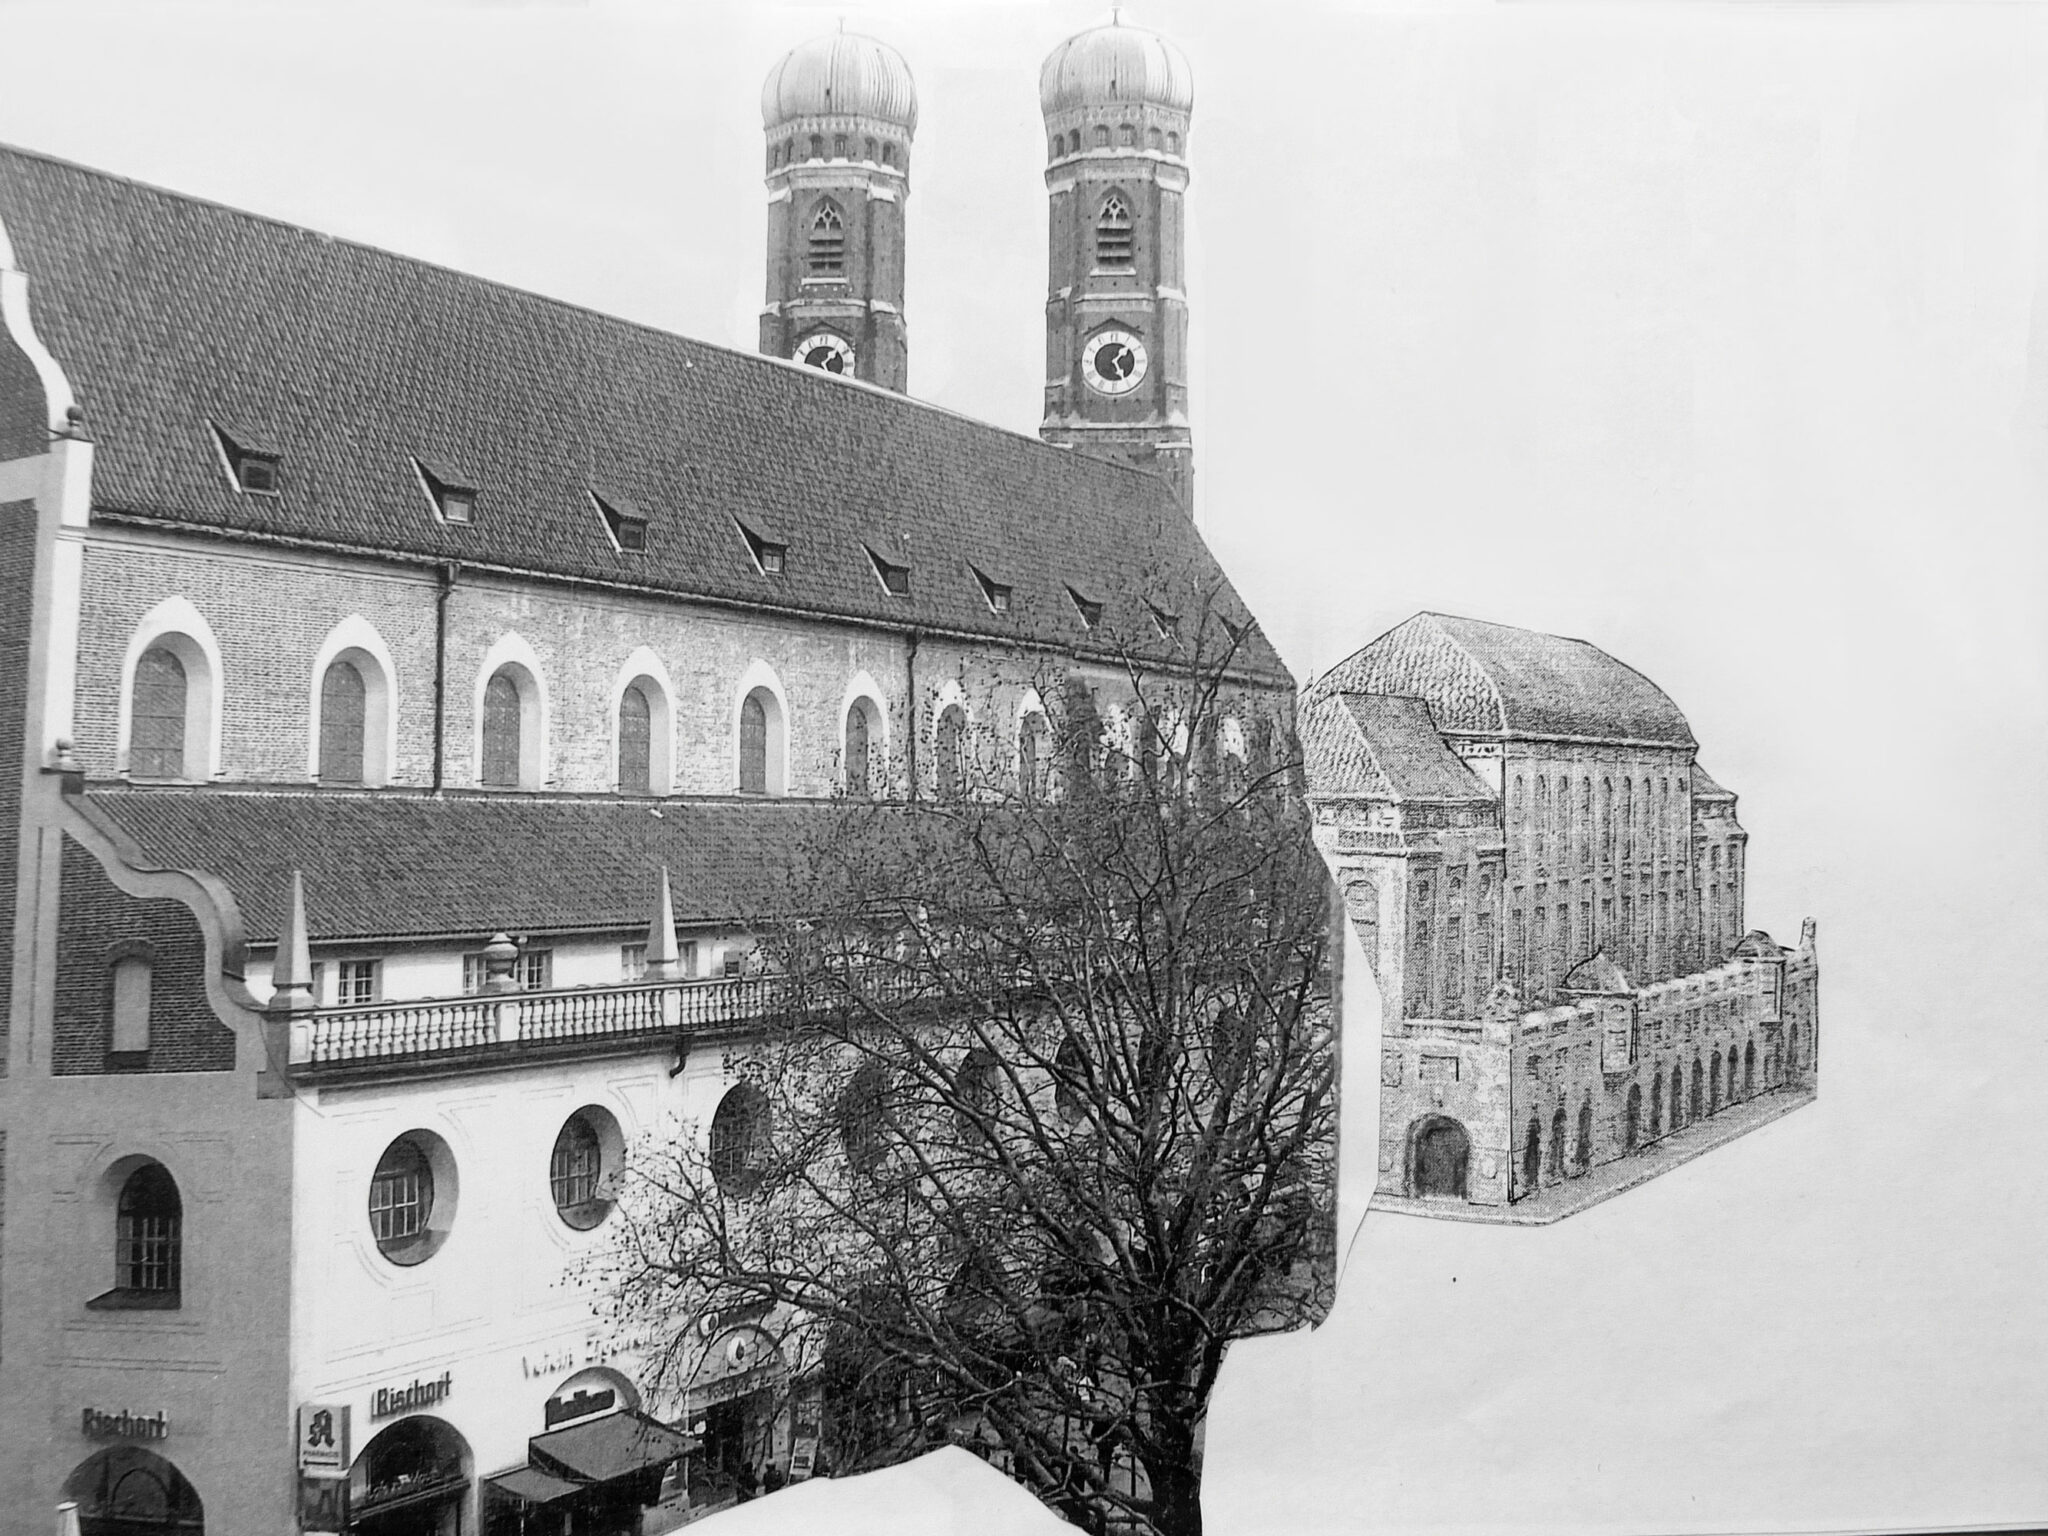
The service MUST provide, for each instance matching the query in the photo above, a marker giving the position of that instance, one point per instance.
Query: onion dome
(1114, 64)
(840, 75)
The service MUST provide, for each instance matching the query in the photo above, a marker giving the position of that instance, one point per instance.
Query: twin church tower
(840, 113)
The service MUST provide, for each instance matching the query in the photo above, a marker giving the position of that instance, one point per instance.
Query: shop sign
(98, 1424)
(388, 1402)
(579, 1405)
(323, 1439)
(596, 1349)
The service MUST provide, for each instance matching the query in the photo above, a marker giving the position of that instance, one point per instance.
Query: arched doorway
(1532, 1158)
(738, 1403)
(1631, 1119)
(1557, 1134)
(128, 1491)
(1439, 1156)
(1582, 1149)
(412, 1479)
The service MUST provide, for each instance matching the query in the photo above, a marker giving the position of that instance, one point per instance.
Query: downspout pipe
(446, 574)
(910, 683)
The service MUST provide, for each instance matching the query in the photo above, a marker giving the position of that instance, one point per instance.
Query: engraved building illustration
(1549, 889)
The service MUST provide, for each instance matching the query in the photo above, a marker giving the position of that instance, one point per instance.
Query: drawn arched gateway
(126, 1490)
(1439, 1158)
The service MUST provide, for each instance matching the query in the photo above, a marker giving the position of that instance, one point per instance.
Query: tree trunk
(1174, 1470)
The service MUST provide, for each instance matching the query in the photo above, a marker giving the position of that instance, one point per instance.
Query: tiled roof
(1496, 680)
(171, 315)
(1705, 788)
(1375, 744)
(394, 865)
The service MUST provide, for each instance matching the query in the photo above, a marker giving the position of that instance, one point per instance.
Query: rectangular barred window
(537, 969)
(355, 983)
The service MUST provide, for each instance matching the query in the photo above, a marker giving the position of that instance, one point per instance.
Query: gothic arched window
(951, 744)
(859, 750)
(343, 701)
(1031, 758)
(504, 723)
(754, 745)
(1113, 233)
(828, 242)
(636, 743)
(156, 742)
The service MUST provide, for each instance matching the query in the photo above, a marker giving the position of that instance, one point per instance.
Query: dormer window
(453, 501)
(253, 469)
(895, 578)
(624, 522)
(1089, 609)
(995, 593)
(1168, 624)
(770, 555)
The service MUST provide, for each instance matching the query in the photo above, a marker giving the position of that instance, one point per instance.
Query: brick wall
(270, 617)
(17, 607)
(99, 922)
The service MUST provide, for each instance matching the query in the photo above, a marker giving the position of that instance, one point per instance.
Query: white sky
(1712, 333)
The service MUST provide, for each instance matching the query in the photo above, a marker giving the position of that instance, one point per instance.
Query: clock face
(823, 350)
(1113, 362)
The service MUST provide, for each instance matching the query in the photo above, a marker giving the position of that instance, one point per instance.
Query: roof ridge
(1500, 703)
(821, 379)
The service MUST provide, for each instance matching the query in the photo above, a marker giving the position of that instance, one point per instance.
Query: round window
(583, 1167)
(412, 1197)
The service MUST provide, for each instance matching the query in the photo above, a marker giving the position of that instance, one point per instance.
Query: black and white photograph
(1014, 765)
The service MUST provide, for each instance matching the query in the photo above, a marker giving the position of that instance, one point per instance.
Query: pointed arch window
(343, 706)
(860, 762)
(828, 242)
(951, 743)
(754, 745)
(1032, 761)
(504, 723)
(156, 748)
(636, 743)
(1113, 239)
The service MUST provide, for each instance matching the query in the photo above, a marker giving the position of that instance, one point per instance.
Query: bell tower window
(828, 243)
(1113, 245)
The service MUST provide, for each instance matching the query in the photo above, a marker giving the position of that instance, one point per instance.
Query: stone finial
(1808, 931)
(664, 954)
(291, 970)
(500, 956)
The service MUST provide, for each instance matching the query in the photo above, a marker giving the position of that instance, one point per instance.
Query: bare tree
(1048, 1119)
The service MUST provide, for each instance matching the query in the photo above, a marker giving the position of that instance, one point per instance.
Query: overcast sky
(1716, 334)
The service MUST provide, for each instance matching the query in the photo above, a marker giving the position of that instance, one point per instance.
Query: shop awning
(535, 1486)
(617, 1445)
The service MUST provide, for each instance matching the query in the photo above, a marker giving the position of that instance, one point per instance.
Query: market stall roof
(617, 1445)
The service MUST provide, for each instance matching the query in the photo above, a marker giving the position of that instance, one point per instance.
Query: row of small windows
(838, 146)
(1125, 136)
(1627, 830)
(1715, 1085)
(173, 717)
(414, 1189)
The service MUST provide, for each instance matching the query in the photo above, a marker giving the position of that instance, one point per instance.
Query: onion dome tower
(1116, 101)
(839, 112)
